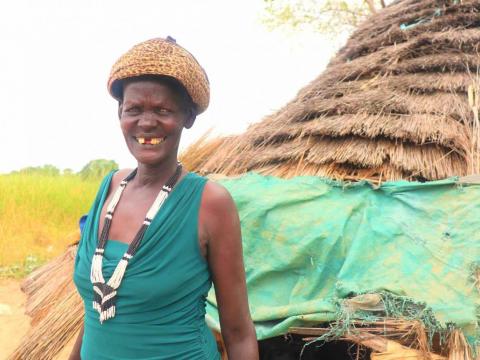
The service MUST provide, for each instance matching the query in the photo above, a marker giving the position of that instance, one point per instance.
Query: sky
(56, 57)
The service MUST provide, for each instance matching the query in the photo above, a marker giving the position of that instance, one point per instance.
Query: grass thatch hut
(399, 101)
(391, 105)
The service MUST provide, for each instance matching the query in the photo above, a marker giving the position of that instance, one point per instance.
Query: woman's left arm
(220, 222)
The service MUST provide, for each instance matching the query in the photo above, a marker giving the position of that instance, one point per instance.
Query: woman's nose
(147, 120)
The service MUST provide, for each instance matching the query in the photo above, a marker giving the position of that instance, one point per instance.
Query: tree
(46, 170)
(330, 17)
(97, 169)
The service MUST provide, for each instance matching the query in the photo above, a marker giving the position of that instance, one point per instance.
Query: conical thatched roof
(392, 104)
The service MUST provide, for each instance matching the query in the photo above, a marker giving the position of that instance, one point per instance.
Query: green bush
(97, 169)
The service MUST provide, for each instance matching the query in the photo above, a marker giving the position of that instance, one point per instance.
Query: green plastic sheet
(310, 243)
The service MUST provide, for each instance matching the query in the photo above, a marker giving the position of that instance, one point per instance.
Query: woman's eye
(132, 110)
(162, 111)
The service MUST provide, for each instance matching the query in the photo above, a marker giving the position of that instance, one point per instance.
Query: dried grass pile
(393, 104)
(54, 306)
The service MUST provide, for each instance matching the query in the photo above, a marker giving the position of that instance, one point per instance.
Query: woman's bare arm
(75, 354)
(219, 220)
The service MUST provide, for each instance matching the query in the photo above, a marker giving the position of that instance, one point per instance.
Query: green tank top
(160, 309)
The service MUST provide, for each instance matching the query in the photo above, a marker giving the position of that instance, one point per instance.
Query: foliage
(39, 212)
(39, 216)
(97, 169)
(48, 170)
(331, 17)
(22, 268)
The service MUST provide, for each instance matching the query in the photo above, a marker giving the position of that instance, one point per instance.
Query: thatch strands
(55, 307)
(474, 102)
(393, 104)
(395, 339)
(395, 351)
(460, 348)
(200, 151)
(42, 293)
(52, 333)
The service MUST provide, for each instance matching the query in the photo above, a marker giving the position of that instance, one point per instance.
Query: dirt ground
(14, 324)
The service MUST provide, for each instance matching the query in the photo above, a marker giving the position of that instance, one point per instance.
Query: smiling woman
(152, 117)
(157, 236)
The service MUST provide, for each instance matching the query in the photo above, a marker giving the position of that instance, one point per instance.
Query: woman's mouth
(149, 140)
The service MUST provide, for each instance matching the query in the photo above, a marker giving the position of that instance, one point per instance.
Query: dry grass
(383, 31)
(200, 151)
(392, 105)
(55, 307)
(53, 332)
(42, 293)
(459, 348)
(408, 334)
(472, 119)
(37, 215)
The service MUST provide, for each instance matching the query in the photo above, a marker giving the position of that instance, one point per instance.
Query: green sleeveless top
(160, 309)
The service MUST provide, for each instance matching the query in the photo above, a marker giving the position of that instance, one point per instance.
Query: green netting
(310, 244)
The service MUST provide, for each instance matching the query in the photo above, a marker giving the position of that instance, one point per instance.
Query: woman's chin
(152, 159)
(149, 159)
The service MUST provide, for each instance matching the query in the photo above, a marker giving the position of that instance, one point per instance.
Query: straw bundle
(48, 337)
(393, 338)
(393, 104)
(460, 348)
(43, 293)
(55, 307)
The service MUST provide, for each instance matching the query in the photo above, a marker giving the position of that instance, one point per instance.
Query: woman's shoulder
(118, 176)
(213, 193)
(216, 198)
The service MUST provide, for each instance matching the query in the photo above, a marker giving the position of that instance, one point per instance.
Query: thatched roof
(392, 104)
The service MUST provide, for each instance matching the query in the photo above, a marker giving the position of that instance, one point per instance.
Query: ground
(15, 323)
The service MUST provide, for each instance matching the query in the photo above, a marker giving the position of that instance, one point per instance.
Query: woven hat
(162, 57)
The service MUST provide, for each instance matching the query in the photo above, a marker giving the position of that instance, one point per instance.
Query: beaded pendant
(105, 293)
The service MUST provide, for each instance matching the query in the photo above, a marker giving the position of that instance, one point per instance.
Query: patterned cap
(162, 57)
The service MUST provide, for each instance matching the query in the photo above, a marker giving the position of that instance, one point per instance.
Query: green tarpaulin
(309, 244)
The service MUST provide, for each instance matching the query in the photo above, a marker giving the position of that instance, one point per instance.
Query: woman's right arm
(75, 354)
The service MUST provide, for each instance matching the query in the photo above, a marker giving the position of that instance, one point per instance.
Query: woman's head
(160, 88)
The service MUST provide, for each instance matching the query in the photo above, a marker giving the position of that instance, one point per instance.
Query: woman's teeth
(149, 141)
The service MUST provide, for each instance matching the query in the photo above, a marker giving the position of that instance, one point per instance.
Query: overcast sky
(56, 56)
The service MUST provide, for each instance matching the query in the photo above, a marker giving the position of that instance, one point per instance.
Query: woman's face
(152, 121)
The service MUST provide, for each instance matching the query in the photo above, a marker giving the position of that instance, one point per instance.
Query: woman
(157, 236)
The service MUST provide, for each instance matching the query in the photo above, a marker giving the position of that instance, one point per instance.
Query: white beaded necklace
(104, 294)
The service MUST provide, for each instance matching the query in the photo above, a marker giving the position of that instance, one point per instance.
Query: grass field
(39, 217)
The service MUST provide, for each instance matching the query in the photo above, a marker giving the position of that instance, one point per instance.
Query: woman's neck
(154, 175)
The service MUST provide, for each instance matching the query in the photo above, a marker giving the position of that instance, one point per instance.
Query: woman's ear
(189, 121)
